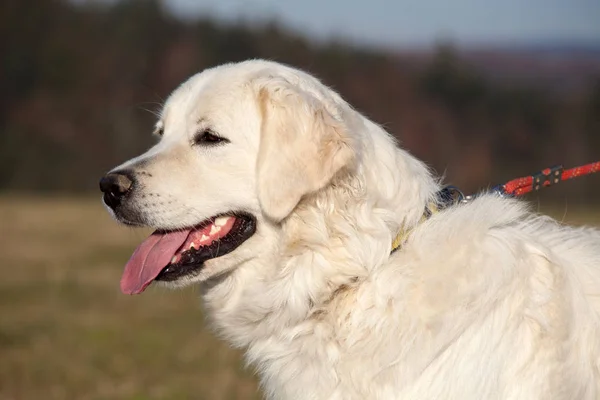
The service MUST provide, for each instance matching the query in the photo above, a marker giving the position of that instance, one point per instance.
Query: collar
(443, 199)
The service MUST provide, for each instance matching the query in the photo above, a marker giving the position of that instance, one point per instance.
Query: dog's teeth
(204, 237)
(221, 221)
(214, 229)
(192, 245)
(174, 260)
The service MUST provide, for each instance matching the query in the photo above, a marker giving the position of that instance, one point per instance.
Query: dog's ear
(303, 146)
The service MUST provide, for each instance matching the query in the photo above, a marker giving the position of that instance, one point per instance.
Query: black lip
(192, 261)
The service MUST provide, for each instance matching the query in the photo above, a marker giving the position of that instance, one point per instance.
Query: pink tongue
(149, 259)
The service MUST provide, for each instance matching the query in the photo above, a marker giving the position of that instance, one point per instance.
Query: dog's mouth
(172, 255)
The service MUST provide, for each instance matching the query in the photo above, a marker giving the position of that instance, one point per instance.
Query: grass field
(66, 332)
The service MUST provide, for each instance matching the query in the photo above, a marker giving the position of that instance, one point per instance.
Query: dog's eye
(209, 138)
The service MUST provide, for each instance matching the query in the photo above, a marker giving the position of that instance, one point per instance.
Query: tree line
(79, 84)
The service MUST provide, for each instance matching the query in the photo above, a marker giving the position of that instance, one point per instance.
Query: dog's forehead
(180, 104)
(209, 93)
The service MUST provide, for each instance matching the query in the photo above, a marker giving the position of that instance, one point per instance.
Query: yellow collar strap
(446, 197)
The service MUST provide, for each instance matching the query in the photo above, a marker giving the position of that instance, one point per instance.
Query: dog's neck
(322, 249)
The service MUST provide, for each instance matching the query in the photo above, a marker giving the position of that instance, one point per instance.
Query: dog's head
(240, 146)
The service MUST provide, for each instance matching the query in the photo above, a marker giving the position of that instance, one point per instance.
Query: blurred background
(484, 91)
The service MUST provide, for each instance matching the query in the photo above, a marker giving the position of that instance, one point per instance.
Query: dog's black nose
(115, 186)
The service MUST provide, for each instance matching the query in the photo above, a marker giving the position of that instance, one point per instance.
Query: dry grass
(66, 332)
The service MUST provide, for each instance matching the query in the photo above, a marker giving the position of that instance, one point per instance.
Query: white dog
(282, 202)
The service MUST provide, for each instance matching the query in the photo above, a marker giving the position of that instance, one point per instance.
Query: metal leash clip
(451, 195)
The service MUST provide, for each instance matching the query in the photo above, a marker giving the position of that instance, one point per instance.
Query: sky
(414, 23)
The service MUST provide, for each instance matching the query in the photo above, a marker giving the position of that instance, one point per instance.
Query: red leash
(546, 177)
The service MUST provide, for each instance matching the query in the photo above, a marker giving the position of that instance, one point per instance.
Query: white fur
(485, 300)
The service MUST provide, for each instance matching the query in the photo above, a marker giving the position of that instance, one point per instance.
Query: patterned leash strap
(451, 195)
(547, 177)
